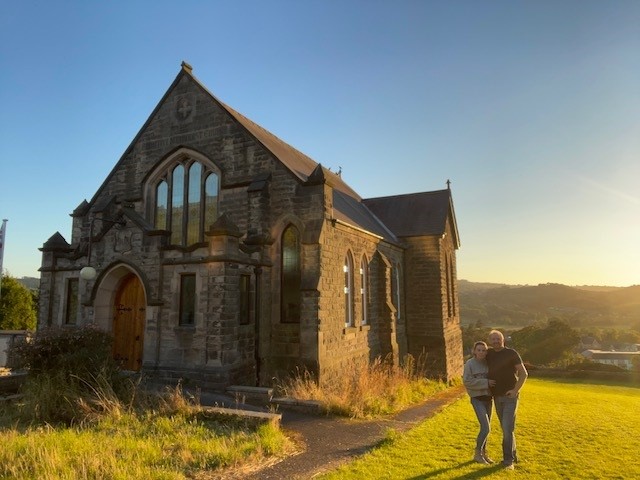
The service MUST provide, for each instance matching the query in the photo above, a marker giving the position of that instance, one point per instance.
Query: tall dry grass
(365, 390)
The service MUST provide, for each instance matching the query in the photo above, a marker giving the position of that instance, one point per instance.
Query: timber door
(128, 323)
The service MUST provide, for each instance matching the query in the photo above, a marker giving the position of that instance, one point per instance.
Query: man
(509, 373)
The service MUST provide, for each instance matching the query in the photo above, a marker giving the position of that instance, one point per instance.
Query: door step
(242, 393)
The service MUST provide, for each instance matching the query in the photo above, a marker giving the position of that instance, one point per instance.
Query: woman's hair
(480, 342)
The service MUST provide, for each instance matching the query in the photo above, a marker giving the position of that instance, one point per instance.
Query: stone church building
(215, 252)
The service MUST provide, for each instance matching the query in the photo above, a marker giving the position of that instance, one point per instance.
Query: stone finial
(186, 67)
(317, 176)
(224, 226)
(448, 184)
(56, 243)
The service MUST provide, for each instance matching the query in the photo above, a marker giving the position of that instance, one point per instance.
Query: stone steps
(255, 394)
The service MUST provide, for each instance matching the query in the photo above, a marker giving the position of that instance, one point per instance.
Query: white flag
(2, 232)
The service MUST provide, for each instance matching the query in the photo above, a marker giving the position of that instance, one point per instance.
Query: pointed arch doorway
(128, 323)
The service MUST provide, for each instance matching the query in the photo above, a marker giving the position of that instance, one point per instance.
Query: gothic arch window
(348, 290)
(177, 205)
(162, 202)
(185, 197)
(291, 271)
(396, 288)
(451, 304)
(364, 288)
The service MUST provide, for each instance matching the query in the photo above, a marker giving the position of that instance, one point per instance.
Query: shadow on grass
(478, 474)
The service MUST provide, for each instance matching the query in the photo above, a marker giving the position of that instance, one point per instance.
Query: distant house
(619, 359)
(589, 343)
(217, 253)
(628, 347)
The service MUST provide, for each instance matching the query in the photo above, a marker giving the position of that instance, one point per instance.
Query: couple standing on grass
(495, 375)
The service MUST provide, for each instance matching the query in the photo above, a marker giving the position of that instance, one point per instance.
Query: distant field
(564, 430)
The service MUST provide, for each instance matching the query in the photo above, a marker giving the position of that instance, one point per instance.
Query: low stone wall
(7, 339)
(10, 384)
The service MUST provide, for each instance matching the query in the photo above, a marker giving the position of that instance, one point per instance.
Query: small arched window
(348, 290)
(186, 201)
(396, 288)
(291, 282)
(364, 288)
(451, 299)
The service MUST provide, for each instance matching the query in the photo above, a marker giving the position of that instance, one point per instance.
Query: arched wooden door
(128, 323)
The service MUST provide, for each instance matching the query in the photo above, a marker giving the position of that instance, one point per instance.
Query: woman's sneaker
(480, 459)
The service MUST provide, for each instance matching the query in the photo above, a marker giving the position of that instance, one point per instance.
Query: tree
(544, 345)
(17, 309)
(472, 333)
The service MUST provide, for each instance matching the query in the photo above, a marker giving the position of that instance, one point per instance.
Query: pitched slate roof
(353, 212)
(296, 161)
(348, 206)
(415, 214)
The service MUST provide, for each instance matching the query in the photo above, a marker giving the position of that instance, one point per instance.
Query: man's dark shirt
(502, 369)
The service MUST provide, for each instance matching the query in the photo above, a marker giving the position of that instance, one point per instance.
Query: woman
(477, 384)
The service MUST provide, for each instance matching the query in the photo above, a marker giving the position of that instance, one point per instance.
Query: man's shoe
(480, 459)
(508, 467)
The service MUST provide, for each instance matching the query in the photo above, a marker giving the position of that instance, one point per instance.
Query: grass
(564, 430)
(366, 390)
(133, 446)
(80, 417)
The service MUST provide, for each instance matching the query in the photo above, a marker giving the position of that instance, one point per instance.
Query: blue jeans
(506, 410)
(483, 412)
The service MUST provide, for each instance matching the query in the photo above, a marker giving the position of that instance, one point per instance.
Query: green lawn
(564, 430)
(130, 447)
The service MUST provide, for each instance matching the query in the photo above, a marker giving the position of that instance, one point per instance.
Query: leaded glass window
(348, 290)
(177, 205)
(364, 288)
(186, 202)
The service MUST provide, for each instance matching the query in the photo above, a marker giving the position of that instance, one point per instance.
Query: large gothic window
(186, 201)
(348, 290)
(290, 300)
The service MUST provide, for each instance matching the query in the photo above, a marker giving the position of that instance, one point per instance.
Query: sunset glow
(531, 109)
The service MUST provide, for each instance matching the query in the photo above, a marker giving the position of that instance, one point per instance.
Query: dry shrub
(365, 390)
(73, 379)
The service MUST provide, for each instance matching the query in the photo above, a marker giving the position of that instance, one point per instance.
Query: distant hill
(502, 304)
(32, 283)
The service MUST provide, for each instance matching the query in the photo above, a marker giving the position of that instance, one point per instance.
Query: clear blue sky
(532, 109)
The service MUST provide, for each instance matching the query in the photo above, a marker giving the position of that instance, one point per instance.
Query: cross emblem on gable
(184, 109)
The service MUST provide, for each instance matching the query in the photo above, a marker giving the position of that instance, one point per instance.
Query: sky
(530, 109)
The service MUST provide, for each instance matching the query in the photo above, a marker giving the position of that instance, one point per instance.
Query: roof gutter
(340, 222)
